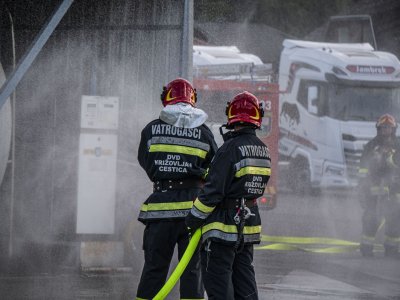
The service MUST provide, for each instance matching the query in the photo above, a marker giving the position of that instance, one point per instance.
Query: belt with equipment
(177, 184)
(243, 212)
(235, 203)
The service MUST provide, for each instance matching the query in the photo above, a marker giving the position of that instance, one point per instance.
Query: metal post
(36, 46)
(12, 188)
(187, 41)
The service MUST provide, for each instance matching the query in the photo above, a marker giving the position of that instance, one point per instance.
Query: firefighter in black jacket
(226, 209)
(175, 151)
(378, 185)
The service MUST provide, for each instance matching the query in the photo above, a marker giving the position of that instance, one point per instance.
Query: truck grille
(352, 158)
(353, 148)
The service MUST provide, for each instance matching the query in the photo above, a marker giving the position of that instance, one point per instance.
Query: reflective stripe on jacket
(167, 152)
(240, 169)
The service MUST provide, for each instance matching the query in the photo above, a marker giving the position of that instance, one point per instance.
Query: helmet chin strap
(225, 135)
(221, 131)
(230, 131)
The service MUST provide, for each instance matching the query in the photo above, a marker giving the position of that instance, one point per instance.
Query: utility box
(97, 165)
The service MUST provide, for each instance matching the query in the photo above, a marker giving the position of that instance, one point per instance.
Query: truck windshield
(356, 103)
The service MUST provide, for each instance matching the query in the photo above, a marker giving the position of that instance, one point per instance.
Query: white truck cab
(331, 95)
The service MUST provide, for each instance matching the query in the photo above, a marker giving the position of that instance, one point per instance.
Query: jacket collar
(234, 133)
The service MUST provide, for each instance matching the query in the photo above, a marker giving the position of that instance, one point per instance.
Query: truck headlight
(332, 170)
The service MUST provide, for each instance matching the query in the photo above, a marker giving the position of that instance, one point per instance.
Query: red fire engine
(219, 73)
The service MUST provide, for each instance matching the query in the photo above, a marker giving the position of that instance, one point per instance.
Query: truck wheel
(299, 177)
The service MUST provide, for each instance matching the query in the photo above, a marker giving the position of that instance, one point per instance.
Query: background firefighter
(175, 151)
(379, 187)
(227, 207)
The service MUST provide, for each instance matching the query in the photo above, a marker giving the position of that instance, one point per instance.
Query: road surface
(289, 265)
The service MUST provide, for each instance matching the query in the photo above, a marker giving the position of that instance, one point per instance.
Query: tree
(294, 17)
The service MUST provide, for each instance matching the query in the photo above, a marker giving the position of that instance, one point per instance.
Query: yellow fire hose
(176, 274)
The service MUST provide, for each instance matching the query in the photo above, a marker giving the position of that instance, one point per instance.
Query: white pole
(187, 41)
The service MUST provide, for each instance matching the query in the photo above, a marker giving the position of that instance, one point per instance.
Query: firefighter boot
(392, 251)
(366, 250)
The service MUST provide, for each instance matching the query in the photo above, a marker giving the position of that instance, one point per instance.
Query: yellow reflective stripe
(363, 170)
(295, 244)
(381, 225)
(178, 149)
(220, 226)
(390, 161)
(144, 207)
(392, 239)
(205, 173)
(305, 240)
(230, 228)
(378, 190)
(167, 206)
(203, 208)
(287, 247)
(253, 171)
(252, 229)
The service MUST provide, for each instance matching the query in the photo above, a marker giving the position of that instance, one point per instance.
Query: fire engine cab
(221, 72)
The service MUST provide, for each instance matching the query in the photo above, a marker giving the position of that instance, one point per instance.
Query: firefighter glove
(193, 223)
(191, 232)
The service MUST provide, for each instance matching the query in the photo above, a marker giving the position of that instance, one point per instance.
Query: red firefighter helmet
(178, 90)
(244, 108)
(387, 121)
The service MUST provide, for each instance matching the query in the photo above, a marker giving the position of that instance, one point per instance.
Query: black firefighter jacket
(240, 169)
(167, 152)
(375, 173)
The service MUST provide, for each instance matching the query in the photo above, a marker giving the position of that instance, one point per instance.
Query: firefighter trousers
(374, 212)
(159, 240)
(371, 216)
(228, 275)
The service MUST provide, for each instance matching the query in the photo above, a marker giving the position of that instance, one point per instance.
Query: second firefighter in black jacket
(240, 169)
(226, 209)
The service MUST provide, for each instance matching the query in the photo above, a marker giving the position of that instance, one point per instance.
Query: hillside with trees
(300, 18)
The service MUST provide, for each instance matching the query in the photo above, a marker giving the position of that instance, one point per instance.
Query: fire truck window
(362, 103)
(318, 105)
(266, 125)
(302, 95)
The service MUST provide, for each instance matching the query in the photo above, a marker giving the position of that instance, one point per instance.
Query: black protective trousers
(375, 209)
(159, 240)
(228, 275)
(371, 216)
